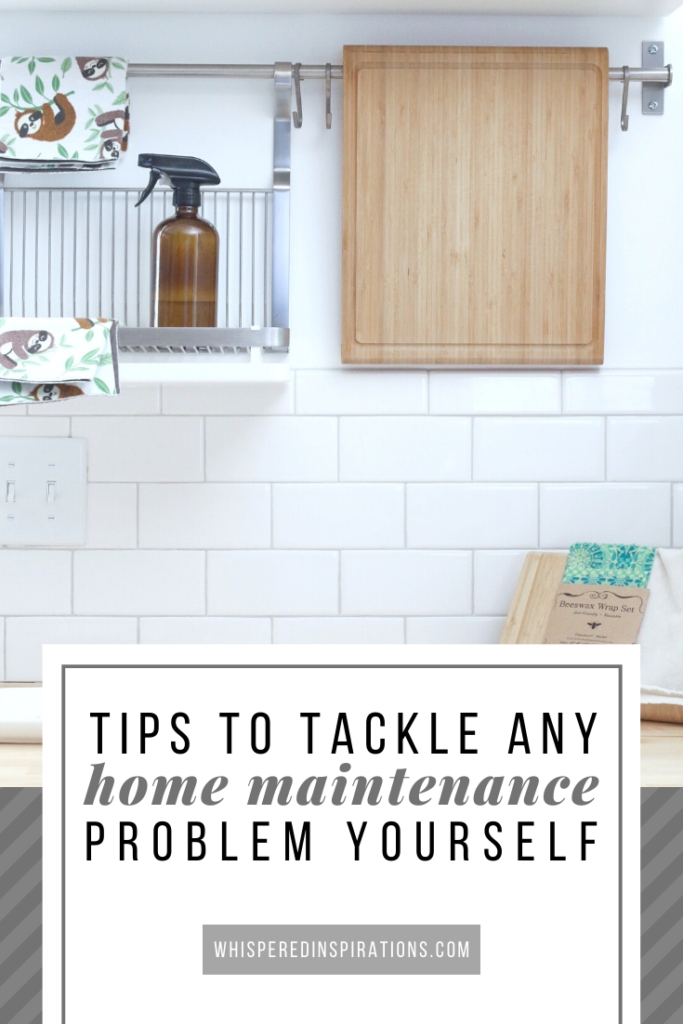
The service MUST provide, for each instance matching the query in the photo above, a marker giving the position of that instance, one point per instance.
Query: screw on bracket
(654, 48)
(653, 105)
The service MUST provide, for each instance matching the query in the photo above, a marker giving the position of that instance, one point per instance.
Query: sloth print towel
(62, 113)
(46, 360)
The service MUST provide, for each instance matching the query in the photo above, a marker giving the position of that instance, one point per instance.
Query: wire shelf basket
(88, 252)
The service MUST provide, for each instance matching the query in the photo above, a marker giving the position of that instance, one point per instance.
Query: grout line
(206, 583)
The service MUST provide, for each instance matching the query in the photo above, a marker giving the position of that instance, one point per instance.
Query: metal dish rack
(87, 252)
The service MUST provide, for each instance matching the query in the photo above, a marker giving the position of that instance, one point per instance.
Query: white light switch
(44, 483)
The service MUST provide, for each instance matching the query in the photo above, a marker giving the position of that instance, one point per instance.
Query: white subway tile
(605, 514)
(646, 391)
(466, 392)
(645, 448)
(454, 630)
(25, 639)
(35, 582)
(134, 400)
(228, 399)
(3, 676)
(271, 448)
(472, 515)
(25, 426)
(338, 516)
(361, 392)
(153, 448)
(495, 578)
(539, 449)
(112, 516)
(14, 410)
(405, 448)
(139, 582)
(678, 516)
(273, 582)
(406, 583)
(340, 630)
(201, 630)
(204, 515)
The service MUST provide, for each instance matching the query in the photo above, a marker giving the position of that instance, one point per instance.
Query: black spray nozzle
(185, 174)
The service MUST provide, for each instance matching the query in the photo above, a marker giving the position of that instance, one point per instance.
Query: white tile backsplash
(605, 514)
(406, 582)
(273, 582)
(338, 515)
(361, 392)
(472, 515)
(228, 399)
(345, 506)
(340, 630)
(678, 516)
(112, 516)
(245, 448)
(495, 578)
(472, 393)
(134, 400)
(647, 391)
(645, 448)
(539, 449)
(204, 630)
(26, 426)
(35, 582)
(25, 637)
(139, 583)
(205, 516)
(149, 448)
(405, 448)
(454, 630)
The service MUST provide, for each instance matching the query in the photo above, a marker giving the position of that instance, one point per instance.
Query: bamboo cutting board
(475, 187)
(532, 601)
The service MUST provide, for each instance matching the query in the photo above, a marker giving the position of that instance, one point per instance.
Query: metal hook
(624, 99)
(298, 114)
(328, 95)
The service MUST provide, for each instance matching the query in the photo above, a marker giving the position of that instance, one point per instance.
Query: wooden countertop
(661, 758)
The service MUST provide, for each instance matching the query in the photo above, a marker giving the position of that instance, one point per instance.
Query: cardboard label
(586, 614)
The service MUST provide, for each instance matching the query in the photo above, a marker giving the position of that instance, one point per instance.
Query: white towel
(661, 634)
(49, 359)
(63, 113)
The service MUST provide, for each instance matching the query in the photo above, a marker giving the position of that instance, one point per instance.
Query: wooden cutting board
(532, 600)
(475, 187)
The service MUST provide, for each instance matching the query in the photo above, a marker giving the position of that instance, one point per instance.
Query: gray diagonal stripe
(31, 1012)
(661, 971)
(671, 874)
(28, 863)
(20, 906)
(662, 927)
(32, 983)
(664, 1014)
(654, 803)
(667, 833)
(650, 828)
(22, 811)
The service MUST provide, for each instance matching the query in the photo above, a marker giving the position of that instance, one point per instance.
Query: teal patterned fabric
(621, 565)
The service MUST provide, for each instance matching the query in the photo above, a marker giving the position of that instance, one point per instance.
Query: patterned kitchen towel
(62, 113)
(661, 634)
(51, 359)
(621, 565)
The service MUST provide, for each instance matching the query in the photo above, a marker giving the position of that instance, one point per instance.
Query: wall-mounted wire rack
(80, 251)
(87, 252)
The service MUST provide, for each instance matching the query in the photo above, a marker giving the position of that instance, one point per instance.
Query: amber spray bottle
(185, 247)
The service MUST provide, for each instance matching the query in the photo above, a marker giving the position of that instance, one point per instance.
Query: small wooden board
(540, 577)
(475, 204)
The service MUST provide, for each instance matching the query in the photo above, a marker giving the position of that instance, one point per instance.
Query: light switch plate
(43, 491)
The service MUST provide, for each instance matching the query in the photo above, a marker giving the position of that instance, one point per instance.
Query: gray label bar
(341, 949)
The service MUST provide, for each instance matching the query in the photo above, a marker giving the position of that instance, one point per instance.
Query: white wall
(356, 505)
